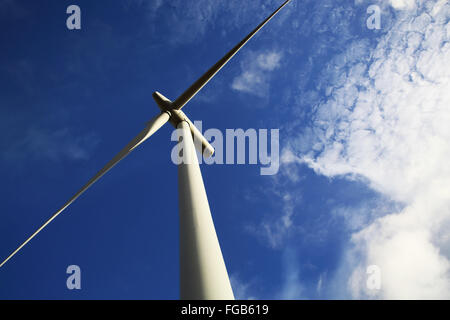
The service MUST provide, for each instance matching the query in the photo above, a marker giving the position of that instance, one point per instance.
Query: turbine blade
(204, 79)
(152, 126)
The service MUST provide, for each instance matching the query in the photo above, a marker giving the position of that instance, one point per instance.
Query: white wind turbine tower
(203, 275)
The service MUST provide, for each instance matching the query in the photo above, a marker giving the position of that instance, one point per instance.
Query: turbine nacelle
(176, 116)
(164, 104)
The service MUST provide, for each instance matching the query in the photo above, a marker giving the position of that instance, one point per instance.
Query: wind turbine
(203, 274)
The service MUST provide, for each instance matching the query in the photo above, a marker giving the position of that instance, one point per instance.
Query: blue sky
(363, 118)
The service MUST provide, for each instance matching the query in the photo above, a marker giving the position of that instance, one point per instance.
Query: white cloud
(412, 266)
(255, 76)
(403, 4)
(386, 121)
(268, 61)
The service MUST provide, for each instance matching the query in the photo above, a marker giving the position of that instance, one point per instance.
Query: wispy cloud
(275, 228)
(255, 72)
(187, 21)
(242, 290)
(54, 146)
(292, 288)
